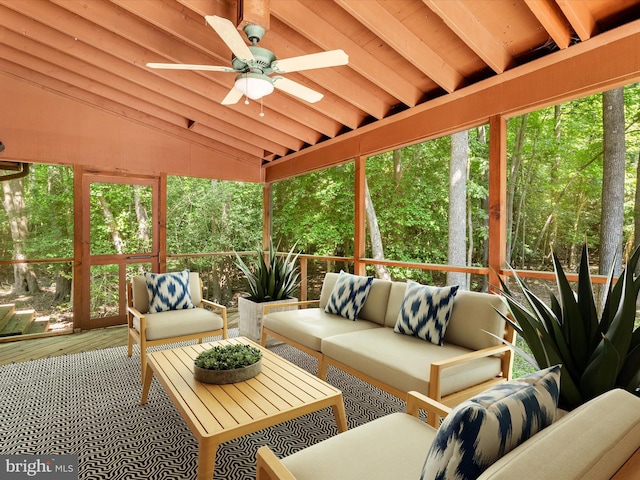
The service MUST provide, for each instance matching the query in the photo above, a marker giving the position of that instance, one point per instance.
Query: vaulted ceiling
(75, 71)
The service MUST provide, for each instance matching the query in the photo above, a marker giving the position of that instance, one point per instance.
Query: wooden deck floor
(33, 349)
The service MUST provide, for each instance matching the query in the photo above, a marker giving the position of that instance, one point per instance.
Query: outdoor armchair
(172, 319)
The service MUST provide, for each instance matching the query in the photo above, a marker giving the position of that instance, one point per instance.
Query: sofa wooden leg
(323, 367)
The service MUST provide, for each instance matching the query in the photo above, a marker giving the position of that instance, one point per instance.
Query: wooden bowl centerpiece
(227, 364)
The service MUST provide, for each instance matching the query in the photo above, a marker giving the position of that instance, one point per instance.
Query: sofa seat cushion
(176, 323)
(309, 326)
(404, 361)
(391, 447)
(602, 434)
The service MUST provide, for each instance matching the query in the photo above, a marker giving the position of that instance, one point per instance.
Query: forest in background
(555, 184)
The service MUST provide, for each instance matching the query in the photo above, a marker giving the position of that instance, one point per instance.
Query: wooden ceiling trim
(458, 18)
(564, 75)
(69, 113)
(550, 16)
(48, 36)
(377, 19)
(579, 17)
(142, 41)
(315, 28)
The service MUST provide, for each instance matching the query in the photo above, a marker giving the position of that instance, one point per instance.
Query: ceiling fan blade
(296, 89)
(187, 66)
(331, 58)
(229, 35)
(232, 97)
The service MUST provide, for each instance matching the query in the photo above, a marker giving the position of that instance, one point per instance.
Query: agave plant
(597, 353)
(273, 279)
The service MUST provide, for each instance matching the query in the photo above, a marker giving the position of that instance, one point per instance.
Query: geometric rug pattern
(88, 404)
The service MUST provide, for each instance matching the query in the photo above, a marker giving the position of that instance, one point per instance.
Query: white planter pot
(250, 317)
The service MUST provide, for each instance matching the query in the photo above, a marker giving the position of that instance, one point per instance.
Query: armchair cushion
(168, 291)
(484, 428)
(348, 295)
(176, 323)
(425, 311)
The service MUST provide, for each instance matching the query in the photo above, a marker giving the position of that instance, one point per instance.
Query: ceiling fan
(255, 65)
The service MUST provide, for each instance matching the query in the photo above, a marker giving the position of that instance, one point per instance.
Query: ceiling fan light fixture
(254, 85)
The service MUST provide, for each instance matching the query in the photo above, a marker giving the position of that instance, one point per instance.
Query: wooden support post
(360, 215)
(160, 227)
(497, 197)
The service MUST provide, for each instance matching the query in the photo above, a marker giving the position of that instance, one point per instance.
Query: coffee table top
(229, 411)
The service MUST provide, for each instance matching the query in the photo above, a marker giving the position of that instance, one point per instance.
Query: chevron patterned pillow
(425, 311)
(168, 291)
(484, 428)
(348, 295)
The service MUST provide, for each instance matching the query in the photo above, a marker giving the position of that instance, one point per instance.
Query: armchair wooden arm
(437, 368)
(220, 309)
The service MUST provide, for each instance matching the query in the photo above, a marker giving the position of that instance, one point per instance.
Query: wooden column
(162, 224)
(267, 222)
(360, 215)
(497, 197)
(78, 249)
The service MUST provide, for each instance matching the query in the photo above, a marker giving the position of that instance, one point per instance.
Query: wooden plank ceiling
(402, 54)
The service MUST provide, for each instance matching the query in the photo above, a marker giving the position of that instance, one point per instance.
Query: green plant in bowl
(228, 357)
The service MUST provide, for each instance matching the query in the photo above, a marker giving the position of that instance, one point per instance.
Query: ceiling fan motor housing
(261, 64)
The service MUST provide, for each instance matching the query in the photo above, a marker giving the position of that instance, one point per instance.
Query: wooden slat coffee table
(218, 413)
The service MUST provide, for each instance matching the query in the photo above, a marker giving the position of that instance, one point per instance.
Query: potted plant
(270, 280)
(227, 364)
(597, 352)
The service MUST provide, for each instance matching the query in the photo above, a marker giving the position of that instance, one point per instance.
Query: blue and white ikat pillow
(484, 428)
(425, 311)
(348, 295)
(168, 291)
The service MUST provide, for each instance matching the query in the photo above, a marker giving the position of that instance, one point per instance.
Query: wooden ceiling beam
(580, 18)
(457, 17)
(86, 56)
(559, 77)
(550, 16)
(378, 19)
(49, 62)
(326, 36)
(72, 94)
(332, 79)
(46, 35)
(130, 41)
(177, 25)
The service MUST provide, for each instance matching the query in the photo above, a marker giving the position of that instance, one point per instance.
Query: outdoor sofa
(596, 441)
(471, 358)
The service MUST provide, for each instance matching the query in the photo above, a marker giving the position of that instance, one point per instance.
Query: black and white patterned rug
(88, 404)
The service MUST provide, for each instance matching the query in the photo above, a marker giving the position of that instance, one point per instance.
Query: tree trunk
(141, 215)
(63, 284)
(397, 166)
(24, 279)
(111, 224)
(636, 212)
(377, 250)
(458, 207)
(613, 175)
(512, 181)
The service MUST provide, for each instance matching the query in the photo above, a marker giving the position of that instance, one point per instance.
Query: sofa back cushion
(140, 294)
(473, 315)
(374, 307)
